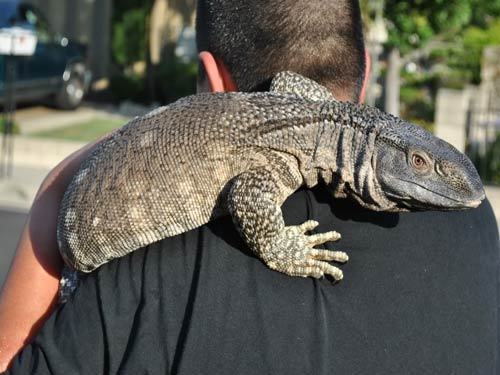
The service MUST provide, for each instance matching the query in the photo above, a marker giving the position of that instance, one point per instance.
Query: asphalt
(33, 158)
(11, 225)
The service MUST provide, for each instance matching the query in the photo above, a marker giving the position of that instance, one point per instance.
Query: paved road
(11, 224)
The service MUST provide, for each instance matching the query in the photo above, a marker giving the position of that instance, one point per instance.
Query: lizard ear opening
(219, 78)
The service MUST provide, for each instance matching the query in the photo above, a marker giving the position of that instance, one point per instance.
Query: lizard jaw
(446, 202)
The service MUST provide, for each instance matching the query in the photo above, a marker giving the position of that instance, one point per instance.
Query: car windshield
(7, 13)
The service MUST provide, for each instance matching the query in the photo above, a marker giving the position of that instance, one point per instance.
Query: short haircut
(256, 39)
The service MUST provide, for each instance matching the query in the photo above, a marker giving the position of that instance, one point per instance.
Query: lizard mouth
(445, 203)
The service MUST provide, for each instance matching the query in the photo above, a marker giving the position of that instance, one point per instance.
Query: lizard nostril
(439, 170)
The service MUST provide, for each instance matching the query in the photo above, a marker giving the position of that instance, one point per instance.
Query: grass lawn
(83, 131)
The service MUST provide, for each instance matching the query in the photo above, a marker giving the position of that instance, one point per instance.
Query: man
(420, 293)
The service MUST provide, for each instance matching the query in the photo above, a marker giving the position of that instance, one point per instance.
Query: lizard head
(417, 170)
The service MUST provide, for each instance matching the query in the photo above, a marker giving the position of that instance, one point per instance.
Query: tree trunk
(392, 82)
(156, 28)
(155, 45)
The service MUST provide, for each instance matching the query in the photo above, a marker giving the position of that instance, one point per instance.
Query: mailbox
(17, 41)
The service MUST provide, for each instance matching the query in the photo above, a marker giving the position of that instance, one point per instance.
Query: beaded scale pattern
(243, 154)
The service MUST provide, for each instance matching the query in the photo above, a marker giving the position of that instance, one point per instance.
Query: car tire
(71, 94)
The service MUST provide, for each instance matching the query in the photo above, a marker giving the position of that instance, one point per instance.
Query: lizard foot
(294, 253)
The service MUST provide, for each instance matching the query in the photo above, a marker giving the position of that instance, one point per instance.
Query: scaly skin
(244, 154)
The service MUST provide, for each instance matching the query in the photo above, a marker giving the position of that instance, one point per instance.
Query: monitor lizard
(243, 154)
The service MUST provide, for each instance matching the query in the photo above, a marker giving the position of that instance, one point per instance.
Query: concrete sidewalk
(33, 157)
(40, 118)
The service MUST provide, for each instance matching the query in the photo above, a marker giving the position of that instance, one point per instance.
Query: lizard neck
(345, 156)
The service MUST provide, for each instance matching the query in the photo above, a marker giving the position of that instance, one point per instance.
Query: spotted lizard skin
(241, 154)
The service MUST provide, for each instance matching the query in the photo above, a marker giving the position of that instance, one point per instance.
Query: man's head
(254, 40)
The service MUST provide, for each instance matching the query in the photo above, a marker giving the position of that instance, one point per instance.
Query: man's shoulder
(410, 277)
(191, 301)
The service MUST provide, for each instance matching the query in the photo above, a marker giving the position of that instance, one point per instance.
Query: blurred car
(58, 70)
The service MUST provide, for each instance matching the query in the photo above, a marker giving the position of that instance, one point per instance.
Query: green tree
(413, 27)
(418, 27)
(129, 42)
(136, 26)
(465, 58)
(413, 24)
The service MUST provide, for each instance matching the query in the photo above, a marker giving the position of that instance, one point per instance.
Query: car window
(7, 14)
(31, 18)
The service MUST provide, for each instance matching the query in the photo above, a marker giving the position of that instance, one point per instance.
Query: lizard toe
(327, 255)
(320, 238)
(327, 269)
(306, 226)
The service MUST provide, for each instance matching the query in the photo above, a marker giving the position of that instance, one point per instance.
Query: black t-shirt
(420, 296)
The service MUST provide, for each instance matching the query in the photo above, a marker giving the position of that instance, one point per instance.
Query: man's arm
(29, 293)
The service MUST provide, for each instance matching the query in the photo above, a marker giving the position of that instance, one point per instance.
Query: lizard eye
(418, 161)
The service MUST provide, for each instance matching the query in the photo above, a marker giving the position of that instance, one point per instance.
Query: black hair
(256, 39)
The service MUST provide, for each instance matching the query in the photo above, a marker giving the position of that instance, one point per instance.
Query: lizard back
(166, 173)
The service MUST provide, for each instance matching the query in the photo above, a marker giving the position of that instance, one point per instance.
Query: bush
(417, 95)
(176, 79)
(493, 162)
(172, 80)
(487, 163)
(417, 106)
(15, 128)
(128, 87)
(129, 41)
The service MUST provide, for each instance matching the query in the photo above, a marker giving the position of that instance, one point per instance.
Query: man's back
(420, 295)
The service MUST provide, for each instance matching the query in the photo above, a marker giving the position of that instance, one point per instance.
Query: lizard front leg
(254, 202)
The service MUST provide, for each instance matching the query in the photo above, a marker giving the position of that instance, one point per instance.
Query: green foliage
(417, 99)
(461, 61)
(123, 6)
(413, 23)
(493, 159)
(484, 12)
(15, 126)
(173, 79)
(487, 164)
(426, 18)
(468, 58)
(176, 79)
(129, 41)
(467, 25)
(463, 28)
(128, 87)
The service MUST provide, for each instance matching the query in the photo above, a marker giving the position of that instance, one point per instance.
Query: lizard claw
(295, 254)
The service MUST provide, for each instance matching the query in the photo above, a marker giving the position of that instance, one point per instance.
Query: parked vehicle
(58, 68)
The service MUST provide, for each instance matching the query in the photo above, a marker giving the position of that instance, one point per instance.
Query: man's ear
(218, 76)
(367, 76)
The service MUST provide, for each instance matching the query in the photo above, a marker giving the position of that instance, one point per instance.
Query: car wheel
(71, 94)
